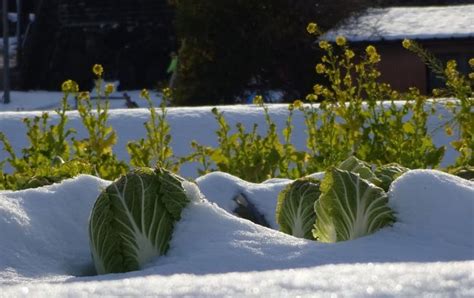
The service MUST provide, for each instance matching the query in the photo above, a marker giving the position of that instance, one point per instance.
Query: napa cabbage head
(295, 212)
(349, 207)
(133, 219)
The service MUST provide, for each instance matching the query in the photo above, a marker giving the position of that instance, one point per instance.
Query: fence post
(6, 56)
(19, 35)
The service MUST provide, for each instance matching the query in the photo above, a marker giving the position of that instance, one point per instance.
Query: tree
(231, 46)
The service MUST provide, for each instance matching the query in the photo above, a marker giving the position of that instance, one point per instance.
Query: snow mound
(222, 188)
(434, 205)
(44, 230)
(44, 249)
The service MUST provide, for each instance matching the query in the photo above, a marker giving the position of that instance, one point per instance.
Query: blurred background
(226, 50)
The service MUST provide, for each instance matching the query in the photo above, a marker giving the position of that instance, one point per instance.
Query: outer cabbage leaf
(349, 207)
(132, 220)
(388, 173)
(355, 165)
(172, 192)
(295, 209)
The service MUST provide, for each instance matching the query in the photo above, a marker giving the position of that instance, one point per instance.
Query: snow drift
(44, 249)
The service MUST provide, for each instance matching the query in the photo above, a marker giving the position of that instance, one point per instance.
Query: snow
(429, 251)
(396, 23)
(44, 247)
(39, 100)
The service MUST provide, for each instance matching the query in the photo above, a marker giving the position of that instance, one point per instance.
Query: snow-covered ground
(49, 100)
(44, 249)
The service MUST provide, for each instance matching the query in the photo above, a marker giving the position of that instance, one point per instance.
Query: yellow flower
(340, 40)
(298, 104)
(349, 54)
(471, 75)
(324, 45)
(311, 97)
(320, 68)
(75, 87)
(109, 88)
(69, 86)
(144, 94)
(97, 69)
(471, 62)
(318, 89)
(371, 50)
(84, 95)
(374, 57)
(406, 43)
(258, 100)
(66, 86)
(312, 28)
(167, 93)
(451, 64)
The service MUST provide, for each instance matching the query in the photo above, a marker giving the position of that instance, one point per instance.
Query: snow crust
(429, 251)
(396, 23)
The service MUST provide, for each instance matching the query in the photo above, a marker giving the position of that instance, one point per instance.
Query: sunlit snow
(429, 251)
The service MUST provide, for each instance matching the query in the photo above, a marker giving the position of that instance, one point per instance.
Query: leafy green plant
(155, 150)
(97, 148)
(349, 207)
(359, 116)
(47, 144)
(402, 134)
(295, 209)
(460, 87)
(133, 219)
(45, 175)
(248, 155)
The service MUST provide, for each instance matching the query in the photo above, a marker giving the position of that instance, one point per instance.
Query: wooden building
(445, 31)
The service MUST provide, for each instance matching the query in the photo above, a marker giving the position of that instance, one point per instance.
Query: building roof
(396, 23)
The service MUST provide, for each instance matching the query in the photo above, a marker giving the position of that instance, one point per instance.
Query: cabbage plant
(295, 209)
(132, 220)
(349, 207)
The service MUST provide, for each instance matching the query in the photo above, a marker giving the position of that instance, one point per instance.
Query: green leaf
(354, 165)
(132, 220)
(295, 212)
(349, 207)
(171, 192)
(388, 173)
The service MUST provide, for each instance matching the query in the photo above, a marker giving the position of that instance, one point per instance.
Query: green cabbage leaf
(295, 208)
(388, 173)
(133, 219)
(355, 165)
